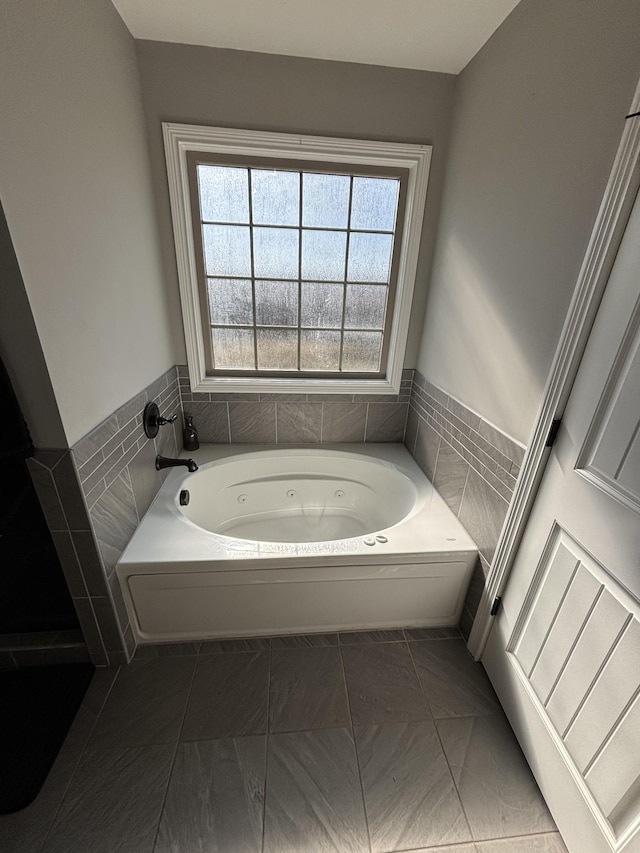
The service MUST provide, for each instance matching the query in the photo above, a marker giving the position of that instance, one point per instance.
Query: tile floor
(383, 741)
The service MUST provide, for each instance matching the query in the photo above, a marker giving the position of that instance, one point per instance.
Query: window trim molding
(181, 139)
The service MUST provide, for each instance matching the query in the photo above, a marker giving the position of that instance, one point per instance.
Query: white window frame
(180, 140)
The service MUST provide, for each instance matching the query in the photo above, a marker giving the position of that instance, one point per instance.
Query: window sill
(252, 385)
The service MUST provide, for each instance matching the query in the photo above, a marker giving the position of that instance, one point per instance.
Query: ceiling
(430, 35)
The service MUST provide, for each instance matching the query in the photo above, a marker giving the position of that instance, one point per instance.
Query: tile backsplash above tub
(296, 418)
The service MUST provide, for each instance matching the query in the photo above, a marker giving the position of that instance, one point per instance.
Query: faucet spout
(166, 462)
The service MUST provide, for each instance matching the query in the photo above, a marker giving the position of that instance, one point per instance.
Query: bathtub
(291, 540)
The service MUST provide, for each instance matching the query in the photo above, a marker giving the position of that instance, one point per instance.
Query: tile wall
(115, 466)
(473, 466)
(296, 418)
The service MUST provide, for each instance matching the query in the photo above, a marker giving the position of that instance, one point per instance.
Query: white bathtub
(295, 540)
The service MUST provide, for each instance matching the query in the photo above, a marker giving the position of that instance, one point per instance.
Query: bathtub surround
(116, 482)
(296, 418)
(473, 466)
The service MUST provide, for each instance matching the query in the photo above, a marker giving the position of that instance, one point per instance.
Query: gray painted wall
(538, 116)
(76, 189)
(228, 88)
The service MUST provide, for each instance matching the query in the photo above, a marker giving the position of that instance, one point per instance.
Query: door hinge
(553, 432)
(496, 605)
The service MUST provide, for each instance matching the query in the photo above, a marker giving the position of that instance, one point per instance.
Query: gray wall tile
(211, 420)
(114, 519)
(48, 498)
(426, 449)
(90, 563)
(251, 422)
(71, 495)
(482, 512)
(94, 440)
(109, 628)
(450, 476)
(343, 421)
(89, 624)
(70, 565)
(298, 423)
(145, 480)
(386, 421)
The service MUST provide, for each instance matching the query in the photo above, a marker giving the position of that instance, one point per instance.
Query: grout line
(175, 753)
(266, 747)
(355, 748)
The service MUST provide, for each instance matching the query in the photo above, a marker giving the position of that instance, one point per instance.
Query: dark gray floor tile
(229, 696)
(496, 786)
(302, 641)
(353, 638)
(550, 842)
(113, 802)
(26, 830)
(432, 633)
(455, 684)
(216, 647)
(307, 690)
(409, 794)
(382, 684)
(313, 801)
(215, 798)
(146, 703)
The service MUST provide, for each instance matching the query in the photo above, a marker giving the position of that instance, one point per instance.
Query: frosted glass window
(325, 200)
(224, 194)
(374, 203)
(226, 250)
(277, 349)
(364, 306)
(323, 255)
(277, 303)
(233, 349)
(361, 351)
(230, 301)
(319, 350)
(275, 252)
(275, 197)
(370, 257)
(321, 304)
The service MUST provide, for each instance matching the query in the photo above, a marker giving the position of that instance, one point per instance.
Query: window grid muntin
(350, 171)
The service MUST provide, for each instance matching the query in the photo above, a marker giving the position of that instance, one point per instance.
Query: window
(296, 258)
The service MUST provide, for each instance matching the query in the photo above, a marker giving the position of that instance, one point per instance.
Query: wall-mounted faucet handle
(152, 420)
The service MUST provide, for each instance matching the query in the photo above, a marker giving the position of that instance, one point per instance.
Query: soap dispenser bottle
(190, 434)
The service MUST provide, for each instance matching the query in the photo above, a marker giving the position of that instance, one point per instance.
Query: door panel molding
(616, 424)
(618, 199)
(577, 636)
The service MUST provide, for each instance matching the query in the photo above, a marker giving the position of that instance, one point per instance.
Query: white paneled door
(564, 650)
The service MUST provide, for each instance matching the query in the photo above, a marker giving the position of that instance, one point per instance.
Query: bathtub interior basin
(297, 496)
